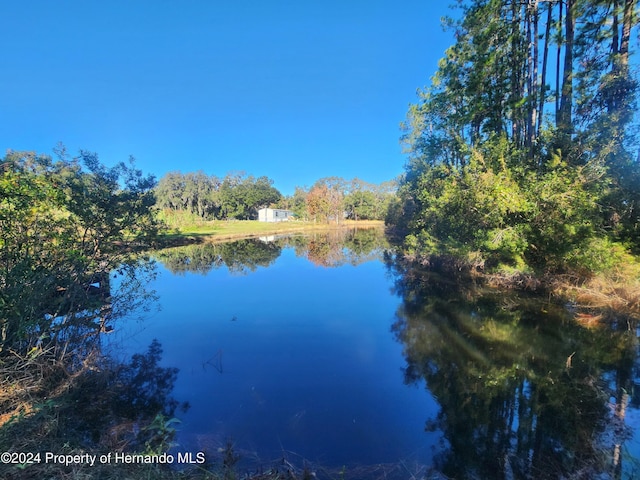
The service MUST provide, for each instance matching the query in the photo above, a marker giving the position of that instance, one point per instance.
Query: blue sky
(295, 90)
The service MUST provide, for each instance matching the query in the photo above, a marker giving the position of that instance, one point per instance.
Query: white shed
(274, 215)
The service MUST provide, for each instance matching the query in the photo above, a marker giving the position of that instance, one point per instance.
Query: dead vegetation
(612, 296)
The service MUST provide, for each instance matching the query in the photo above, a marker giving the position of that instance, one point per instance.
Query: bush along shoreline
(531, 185)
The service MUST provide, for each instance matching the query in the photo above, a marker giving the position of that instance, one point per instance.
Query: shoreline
(222, 231)
(612, 294)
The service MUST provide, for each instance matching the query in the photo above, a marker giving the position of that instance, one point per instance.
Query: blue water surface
(289, 360)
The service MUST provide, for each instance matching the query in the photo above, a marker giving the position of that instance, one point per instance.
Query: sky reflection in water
(317, 350)
(294, 357)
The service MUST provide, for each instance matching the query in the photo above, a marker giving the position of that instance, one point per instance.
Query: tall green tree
(197, 193)
(241, 196)
(360, 205)
(236, 196)
(297, 203)
(488, 115)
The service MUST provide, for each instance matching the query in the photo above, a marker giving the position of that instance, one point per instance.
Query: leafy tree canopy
(507, 165)
(64, 225)
(236, 196)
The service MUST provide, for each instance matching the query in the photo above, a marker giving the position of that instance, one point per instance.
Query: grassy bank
(182, 229)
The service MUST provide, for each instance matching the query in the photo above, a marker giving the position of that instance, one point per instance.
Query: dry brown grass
(614, 293)
(46, 405)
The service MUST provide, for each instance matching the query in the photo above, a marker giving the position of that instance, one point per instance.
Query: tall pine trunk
(543, 79)
(558, 56)
(627, 23)
(566, 101)
(514, 94)
(535, 89)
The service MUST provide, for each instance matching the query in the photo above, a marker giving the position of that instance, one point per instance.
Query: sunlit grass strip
(246, 228)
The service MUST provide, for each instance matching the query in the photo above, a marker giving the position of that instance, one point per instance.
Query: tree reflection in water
(520, 384)
(69, 395)
(342, 247)
(324, 248)
(239, 257)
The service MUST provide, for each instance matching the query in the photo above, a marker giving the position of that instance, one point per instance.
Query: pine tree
(488, 115)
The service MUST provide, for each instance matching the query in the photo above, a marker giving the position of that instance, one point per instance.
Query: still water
(326, 351)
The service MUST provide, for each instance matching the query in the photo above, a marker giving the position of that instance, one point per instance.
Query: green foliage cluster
(239, 196)
(236, 196)
(63, 225)
(509, 171)
(546, 220)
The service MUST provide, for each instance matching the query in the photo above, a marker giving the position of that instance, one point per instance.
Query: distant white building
(274, 215)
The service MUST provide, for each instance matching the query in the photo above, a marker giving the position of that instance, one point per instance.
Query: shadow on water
(524, 391)
(67, 395)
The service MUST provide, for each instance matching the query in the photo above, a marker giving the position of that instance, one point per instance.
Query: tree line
(521, 149)
(240, 196)
(236, 196)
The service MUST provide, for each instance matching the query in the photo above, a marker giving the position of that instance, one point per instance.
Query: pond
(327, 351)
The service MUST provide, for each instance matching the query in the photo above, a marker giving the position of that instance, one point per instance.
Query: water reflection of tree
(67, 395)
(342, 246)
(114, 401)
(519, 383)
(328, 249)
(239, 257)
(104, 406)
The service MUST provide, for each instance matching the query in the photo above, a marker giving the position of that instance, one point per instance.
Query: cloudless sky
(294, 90)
